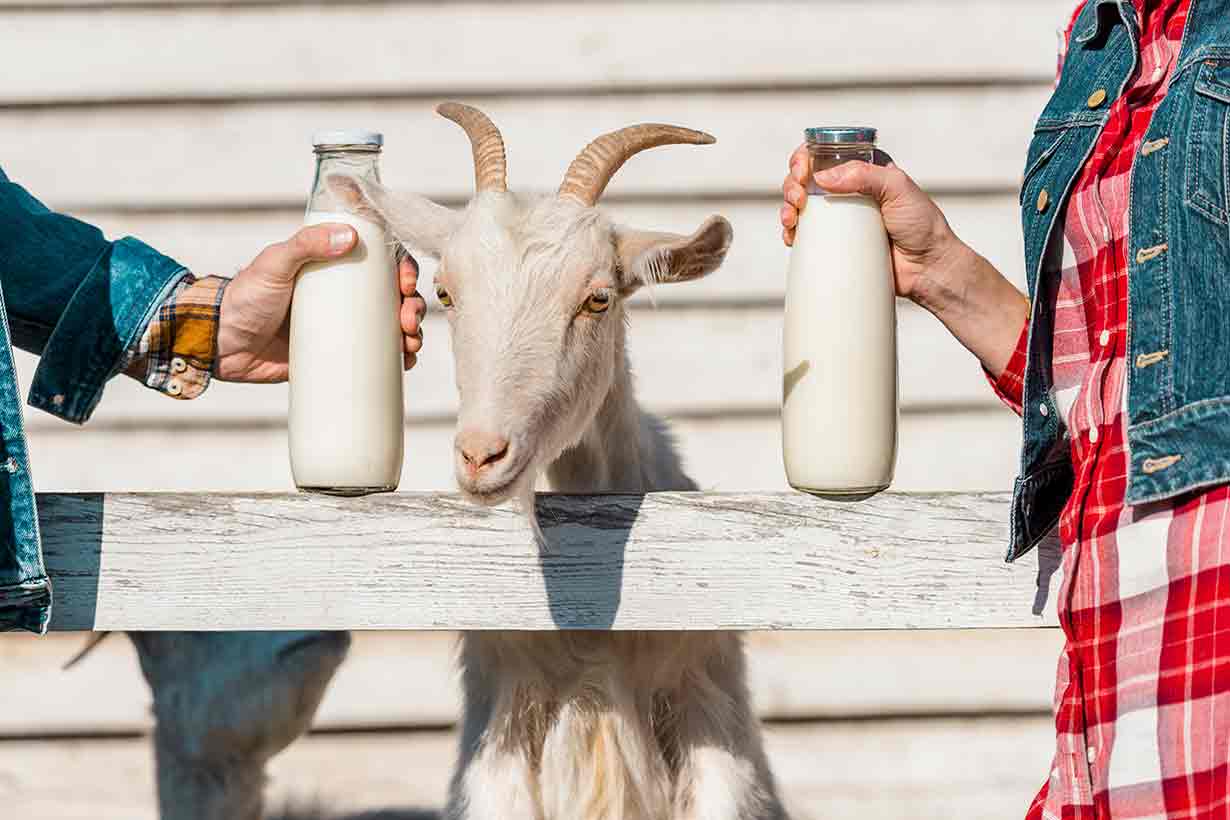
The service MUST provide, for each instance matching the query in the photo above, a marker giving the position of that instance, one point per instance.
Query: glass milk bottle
(346, 364)
(839, 383)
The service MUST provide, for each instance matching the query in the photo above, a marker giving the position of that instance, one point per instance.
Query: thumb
(856, 177)
(311, 244)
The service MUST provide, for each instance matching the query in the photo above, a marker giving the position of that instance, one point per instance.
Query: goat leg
(723, 770)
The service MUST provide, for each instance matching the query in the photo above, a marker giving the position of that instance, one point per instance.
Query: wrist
(946, 284)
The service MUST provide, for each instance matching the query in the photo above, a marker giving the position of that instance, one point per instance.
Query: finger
(788, 216)
(799, 164)
(408, 275)
(413, 343)
(410, 360)
(788, 236)
(411, 316)
(794, 193)
(314, 243)
(861, 178)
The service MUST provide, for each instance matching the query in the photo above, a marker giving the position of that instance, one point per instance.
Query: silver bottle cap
(840, 135)
(347, 137)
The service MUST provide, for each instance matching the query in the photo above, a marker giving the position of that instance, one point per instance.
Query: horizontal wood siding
(972, 768)
(407, 680)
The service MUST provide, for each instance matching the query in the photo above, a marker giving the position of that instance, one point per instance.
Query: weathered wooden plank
(224, 241)
(954, 138)
(417, 48)
(394, 679)
(714, 361)
(965, 451)
(975, 769)
(432, 561)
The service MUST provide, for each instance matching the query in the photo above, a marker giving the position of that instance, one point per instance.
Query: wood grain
(408, 680)
(975, 769)
(418, 48)
(254, 154)
(432, 561)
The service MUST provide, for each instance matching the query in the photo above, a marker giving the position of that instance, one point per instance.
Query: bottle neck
(823, 156)
(354, 161)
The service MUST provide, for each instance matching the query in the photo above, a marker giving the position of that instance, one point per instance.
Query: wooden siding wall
(188, 123)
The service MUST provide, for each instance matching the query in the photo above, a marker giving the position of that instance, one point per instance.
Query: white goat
(562, 725)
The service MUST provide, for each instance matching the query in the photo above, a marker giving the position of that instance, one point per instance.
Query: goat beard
(526, 495)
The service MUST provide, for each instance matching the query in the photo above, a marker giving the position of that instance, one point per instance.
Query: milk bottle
(346, 406)
(839, 385)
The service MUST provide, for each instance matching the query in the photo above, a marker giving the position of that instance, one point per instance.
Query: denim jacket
(78, 301)
(1178, 385)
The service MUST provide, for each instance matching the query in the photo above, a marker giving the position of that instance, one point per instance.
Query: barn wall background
(188, 124)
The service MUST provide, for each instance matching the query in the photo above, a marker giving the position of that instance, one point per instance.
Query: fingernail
(340, 239)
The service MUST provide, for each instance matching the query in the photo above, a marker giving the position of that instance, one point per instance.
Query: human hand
(922, 241)
(254, 321)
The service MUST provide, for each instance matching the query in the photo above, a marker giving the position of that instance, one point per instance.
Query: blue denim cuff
(26, 607)
(108, 312)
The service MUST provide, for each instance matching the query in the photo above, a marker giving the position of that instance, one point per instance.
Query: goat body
(574, 725)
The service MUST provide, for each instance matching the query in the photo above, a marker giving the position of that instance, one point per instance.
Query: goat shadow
(582, 559)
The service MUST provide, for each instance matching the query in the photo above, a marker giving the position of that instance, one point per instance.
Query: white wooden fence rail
(434, 561)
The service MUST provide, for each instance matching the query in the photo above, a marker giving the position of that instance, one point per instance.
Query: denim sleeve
(74, 298)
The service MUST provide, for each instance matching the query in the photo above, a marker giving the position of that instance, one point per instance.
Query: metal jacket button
(1044, 199)
(1097, 98)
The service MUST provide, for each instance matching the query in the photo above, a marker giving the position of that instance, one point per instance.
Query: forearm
(977, 303)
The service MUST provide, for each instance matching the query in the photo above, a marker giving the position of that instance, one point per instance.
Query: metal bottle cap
(840, 135)
(347, 137)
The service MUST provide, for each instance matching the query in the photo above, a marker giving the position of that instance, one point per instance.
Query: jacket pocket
(1207, 175)
(1042, 147)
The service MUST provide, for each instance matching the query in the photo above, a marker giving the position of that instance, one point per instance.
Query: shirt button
(1043, 409)
(174, 387)
(1093, 435)
(1097, 98)
(1158, 72)
(178, 365)
(1091, 754)
(1104, 339)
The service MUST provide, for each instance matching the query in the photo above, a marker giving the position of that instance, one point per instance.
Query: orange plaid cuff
(176, 353)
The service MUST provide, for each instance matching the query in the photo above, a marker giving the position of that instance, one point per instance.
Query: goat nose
(480, 450)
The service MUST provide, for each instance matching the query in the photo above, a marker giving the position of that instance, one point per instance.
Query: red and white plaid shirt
(1142, 697)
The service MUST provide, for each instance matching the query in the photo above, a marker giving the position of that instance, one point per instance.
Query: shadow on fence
(583, 569)
(72, 530)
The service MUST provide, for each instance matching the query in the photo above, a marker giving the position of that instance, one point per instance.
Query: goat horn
(490, 164)
(591, 171)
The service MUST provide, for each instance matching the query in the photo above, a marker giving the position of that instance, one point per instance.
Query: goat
(561, 725)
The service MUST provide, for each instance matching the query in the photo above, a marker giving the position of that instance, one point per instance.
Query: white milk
(346, 405)
(839, 388)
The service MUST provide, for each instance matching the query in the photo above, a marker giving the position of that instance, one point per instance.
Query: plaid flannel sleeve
(175, 354)
(1010, 386)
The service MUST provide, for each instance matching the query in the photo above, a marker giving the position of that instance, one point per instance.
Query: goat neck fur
(564, 725)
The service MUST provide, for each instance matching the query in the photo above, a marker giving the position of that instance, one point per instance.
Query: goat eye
(598, 302)
(444, 298)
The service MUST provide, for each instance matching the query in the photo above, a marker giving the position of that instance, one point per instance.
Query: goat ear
(651, 257)
(413, 220)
